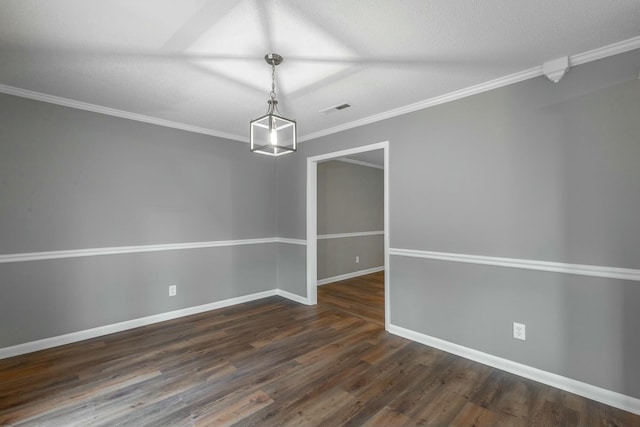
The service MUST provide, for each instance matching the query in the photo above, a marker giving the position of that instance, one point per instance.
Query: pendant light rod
(273, 59)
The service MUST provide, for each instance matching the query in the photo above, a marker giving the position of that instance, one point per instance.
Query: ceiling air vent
(334, 108)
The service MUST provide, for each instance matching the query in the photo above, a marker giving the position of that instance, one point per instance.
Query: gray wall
(534, 170)
(72, 179)
(291, 187)
(350, 200)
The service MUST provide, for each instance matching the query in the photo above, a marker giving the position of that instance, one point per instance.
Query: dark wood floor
(274, 362)
(360, 296)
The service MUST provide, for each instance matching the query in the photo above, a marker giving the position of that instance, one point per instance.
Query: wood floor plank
(274, 362)
(362, 297)
(230, 409)
(476, 416)
(387, 417)
(439, 392)
(315, 411)
(81, 414)
(319, 377)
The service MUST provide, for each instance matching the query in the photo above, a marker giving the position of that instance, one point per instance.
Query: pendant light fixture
(273, 134)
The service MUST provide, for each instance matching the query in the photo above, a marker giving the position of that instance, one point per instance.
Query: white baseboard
(608, 397)
(46, 343)
(349, 275)
(292, 297)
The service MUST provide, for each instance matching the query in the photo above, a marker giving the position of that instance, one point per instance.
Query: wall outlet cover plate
(519, 331)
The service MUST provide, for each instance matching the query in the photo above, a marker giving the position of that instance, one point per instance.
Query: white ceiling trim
(581, 58)
(431, 102)
(66, 102)
(603, 52)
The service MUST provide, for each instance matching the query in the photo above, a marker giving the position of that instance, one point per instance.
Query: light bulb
(273, 132)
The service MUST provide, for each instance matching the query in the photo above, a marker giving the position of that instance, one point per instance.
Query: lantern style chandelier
(273, 134)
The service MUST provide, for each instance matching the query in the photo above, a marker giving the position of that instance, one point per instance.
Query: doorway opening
(312, 218)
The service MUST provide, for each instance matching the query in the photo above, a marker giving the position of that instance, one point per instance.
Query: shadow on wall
(601, 345)
(601, 184)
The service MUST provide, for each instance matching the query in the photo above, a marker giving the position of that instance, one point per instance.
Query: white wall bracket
(556, 69)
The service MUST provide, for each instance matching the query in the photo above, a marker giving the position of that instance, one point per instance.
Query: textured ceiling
(200, 63)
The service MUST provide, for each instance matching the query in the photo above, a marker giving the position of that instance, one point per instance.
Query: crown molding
(431, 102)
(580, 58)
(66, 102)
(577, 59)
(603, 52)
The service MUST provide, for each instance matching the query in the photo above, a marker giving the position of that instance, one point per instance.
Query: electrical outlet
(519, 331)
(172, 290)
(357, 259)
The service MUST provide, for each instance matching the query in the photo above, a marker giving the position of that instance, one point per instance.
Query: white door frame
(312, 220)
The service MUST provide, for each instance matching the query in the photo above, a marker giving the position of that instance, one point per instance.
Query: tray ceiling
(200, 63)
